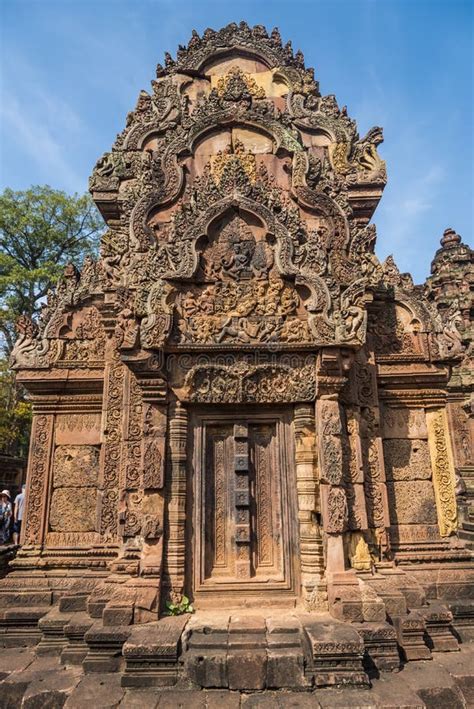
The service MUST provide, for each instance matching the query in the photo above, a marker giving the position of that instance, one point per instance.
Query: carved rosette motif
(443, 471)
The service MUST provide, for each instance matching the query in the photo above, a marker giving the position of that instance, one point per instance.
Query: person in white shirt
(5, 516)
(18, 515)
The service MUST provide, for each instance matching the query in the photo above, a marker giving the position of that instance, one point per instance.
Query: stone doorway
(242, 527)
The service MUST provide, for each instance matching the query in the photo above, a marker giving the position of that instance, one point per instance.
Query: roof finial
(450, 238)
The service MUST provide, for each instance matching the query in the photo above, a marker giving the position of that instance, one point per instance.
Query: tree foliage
(15, 414)
(41, 230)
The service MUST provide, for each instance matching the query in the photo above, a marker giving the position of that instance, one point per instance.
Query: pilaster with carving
(175, 520)
(443, 470)
(329, 426)
(38, 478)
(309, 509)
(112, 448)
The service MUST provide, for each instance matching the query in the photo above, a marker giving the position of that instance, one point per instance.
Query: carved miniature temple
(238, 403)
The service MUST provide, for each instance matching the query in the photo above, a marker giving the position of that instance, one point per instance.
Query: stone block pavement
(30, 682)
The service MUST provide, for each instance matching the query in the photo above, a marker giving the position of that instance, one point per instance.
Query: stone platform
(30, 681)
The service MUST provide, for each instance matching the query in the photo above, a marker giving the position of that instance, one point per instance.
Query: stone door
(242, 490)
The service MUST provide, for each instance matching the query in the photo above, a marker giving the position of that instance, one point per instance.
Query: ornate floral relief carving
(112, 448)
(339, 157)
(236, 84)
(234, 156)
(154, 447)
(132, 522)
(76, 426)
(443, 471)
(38, 473)
(38, 346)
(411, 502)
(73, 509)
(373, 477)
(76, 466)
(132, 448)
(407, 459)
(255, 40)
(337, 511)
(244, 382)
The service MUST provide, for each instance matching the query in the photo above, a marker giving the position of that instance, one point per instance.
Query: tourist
(18, 514)
(5, 516)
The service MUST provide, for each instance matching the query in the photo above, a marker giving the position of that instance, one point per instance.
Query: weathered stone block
(337, 653)
(114, 614)
(247, 669)
(285, 668)
(207, 667)
(76, 466)
(380, 643)
(412, 502)
(151, 653)
(407, 459)
(404, 423)
(73, 509)
(411, 632)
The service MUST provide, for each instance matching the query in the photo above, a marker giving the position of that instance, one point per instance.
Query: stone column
(175, 525)
(331, 474)
(312, 562)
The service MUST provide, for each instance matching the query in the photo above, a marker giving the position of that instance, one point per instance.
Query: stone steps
(446, 681)
(19, 626)
(245, 650)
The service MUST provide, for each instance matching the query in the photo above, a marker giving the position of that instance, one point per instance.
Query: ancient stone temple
(239, 405)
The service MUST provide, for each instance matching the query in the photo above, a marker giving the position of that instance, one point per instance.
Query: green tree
(41, 230)
(15, 414)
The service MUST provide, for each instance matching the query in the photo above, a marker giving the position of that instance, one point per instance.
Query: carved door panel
(242, 504)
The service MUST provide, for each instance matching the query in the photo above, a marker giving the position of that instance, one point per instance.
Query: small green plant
(184, 606)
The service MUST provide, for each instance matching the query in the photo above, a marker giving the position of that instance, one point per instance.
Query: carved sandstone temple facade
(238, 402)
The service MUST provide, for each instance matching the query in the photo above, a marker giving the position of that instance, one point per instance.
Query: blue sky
(72, 69)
